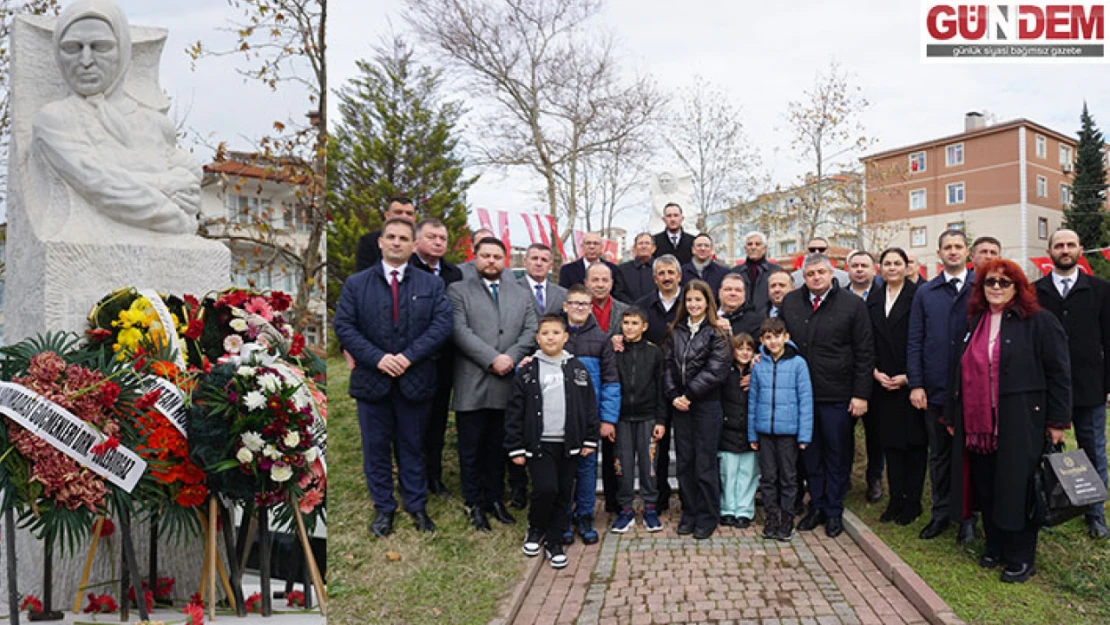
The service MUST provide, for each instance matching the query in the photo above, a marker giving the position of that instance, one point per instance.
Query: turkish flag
(503, 225)
(528, 224)
(1085, 266)
(609, 250)
(1044, 263)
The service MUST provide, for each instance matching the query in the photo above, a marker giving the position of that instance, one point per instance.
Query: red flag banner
(1044, 263)
(609, 250)
(503, 228)
(1106, 253)
(527, 217)
(578, 236)
(1085, 266)
(554, 229)
(484, 221)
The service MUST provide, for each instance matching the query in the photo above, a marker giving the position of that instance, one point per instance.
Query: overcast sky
(765, 54)
(213, 100)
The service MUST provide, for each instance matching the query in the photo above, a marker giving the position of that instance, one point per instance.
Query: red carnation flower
(31, 603)
(254, 602)
(99, 335)
(148, 400)
(109, 393)
(195, 614)
(297, 347)
(107, 528)
(196, 327)
(279, 301)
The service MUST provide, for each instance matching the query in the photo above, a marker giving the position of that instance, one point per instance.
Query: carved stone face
(89, 56)
(667, 183)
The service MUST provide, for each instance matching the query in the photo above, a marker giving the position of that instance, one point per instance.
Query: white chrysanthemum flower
(254, 400)
(246, 372)
(311, 454)
(271, 452)
(238, 325)
(252, 440)
(269, 383)
(244, 456)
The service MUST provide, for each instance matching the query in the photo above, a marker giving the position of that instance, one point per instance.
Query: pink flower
(259, 306)
(310, 500)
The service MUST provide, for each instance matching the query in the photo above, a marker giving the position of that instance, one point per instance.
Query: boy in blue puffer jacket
(780, 422)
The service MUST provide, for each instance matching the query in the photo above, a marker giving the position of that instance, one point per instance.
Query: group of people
(758, 376)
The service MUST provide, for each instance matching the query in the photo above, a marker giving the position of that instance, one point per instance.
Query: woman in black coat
(902, 428)
(696, 361)
(1012, 384)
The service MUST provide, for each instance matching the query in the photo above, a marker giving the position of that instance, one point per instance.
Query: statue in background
(115, 151)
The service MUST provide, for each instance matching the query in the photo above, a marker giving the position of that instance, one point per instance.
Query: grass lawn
(456, 575)
(1072, 584)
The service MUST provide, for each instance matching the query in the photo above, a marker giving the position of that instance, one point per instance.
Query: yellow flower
(129, 339)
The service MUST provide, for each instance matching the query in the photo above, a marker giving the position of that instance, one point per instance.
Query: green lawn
(1072, 584)
(456, 575)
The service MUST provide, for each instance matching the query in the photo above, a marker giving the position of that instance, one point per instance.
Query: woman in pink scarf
(1013, 383)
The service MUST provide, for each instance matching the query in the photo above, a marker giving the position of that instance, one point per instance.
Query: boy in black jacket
(550, 421)
(642, 421)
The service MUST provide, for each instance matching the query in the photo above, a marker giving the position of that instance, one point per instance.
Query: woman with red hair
(1013, 391)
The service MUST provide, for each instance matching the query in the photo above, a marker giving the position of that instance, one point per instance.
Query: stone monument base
(52, 285)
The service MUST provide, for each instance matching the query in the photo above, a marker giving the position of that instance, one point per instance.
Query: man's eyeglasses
(1001, 283)
(578, 304)
(817, 250)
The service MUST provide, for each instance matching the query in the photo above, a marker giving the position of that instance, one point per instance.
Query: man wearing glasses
(575, 272)
(820, 245)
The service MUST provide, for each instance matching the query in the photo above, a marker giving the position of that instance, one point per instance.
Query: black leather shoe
(728, 520)
(382, 525)
(423, 521)
(812, 519)
(501, 513)
(967, 532)
(1096, 528)
(892, 512)
(935, 528)
(874, 491)
(988, 561)
(1018, 573)
(908, 515)
(701, 533)
(478, 519)
(437, 487)
(834, 526)
(685, 527)
(742, 523)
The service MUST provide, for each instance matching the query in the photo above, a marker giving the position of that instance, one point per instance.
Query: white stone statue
(116, 153)
(671, 186)
(100, 196)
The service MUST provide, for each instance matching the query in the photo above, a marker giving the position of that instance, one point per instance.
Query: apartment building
(1010, 180)
(244, 201)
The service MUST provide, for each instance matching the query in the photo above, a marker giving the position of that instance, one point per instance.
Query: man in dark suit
(832, 330)
(575, 272)
(548, 296)
(1080, 302)
(756, 268)
(703, 267)
(636, 273)
(392, 320)
(938, 323)
(495, 326)
(368, 252)
(431, 245)
(661, 306)
(673, 239)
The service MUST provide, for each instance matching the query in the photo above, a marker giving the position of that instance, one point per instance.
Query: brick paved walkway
(733, 577)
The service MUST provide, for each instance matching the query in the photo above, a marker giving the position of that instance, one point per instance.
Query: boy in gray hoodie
(550, 422)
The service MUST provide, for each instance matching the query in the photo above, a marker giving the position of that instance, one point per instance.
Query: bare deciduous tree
(554, 92)
(283, 42)
(707, 136)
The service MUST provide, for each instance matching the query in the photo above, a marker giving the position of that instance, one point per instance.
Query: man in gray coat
(495, 326)
(547, 295)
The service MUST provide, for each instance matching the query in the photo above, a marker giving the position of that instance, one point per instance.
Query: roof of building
(258, 166)
(970, 134)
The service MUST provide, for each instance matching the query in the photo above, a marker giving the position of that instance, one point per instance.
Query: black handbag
(1064, 485)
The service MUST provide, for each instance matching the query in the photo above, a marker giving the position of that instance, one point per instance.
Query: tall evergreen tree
(1086, 214)
(395, 136)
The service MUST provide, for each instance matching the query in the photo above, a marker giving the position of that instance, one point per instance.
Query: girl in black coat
(696, 360)
(1012, 391)
(739, 464)
(902, 428)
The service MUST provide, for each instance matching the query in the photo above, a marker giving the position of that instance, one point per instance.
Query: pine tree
(1086, 213)
(395, 137)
